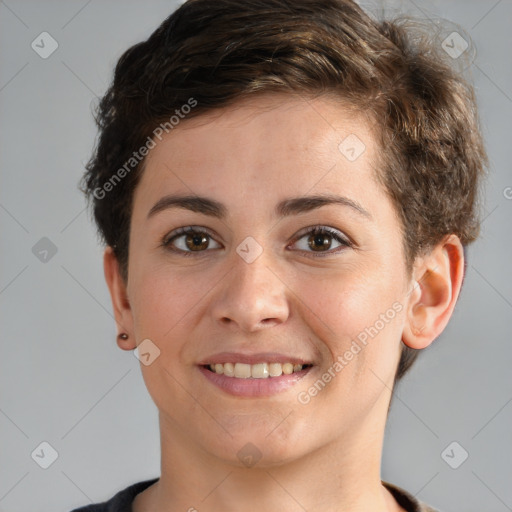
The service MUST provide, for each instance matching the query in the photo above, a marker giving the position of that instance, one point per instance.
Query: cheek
(349, 301)
(358, 315)
(161, 311)
(161, 304)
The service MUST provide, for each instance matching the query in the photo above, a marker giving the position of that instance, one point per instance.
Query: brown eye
(322, 241)
(188, 240)
(319, 239)
(196, 242)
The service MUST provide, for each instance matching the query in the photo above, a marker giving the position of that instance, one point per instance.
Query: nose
(251, 297)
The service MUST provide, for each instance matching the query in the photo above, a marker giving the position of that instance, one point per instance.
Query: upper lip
(260, 357)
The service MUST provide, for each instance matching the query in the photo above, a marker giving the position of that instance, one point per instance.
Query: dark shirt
(122, 501)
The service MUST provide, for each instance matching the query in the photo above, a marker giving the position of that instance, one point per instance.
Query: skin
(326, 454)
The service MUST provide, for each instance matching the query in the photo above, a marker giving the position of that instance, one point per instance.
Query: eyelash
(313, 230)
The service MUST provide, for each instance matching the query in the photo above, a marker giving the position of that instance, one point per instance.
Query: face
(264, 275)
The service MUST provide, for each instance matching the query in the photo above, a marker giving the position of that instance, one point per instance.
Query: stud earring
(123, 336)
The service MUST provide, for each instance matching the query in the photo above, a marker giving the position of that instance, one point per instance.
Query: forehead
(268, 145)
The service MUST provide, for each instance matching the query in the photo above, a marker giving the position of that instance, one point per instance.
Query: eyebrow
(287, 207)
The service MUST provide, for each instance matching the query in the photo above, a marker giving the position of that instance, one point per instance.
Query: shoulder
(406, 500)
(120, 502)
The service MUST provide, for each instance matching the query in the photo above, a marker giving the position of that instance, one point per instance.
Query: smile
(255, 371)
(254, 380)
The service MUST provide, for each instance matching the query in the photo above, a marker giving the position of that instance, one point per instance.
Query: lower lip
(254, 387)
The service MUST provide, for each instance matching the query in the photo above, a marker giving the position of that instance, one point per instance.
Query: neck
(340, 476)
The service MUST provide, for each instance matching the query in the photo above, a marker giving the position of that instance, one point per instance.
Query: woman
(285, 191)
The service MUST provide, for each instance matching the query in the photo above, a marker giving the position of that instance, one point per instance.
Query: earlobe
(119, 297)
(437, 282)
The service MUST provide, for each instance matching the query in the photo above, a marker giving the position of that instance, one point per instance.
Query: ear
(438, 279)
(120, 303)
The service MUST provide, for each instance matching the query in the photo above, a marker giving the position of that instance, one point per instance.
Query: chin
(257, 446)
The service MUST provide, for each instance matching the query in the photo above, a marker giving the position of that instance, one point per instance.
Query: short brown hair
(220, 51)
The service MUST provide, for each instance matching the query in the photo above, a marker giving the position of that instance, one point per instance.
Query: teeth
(287, 368)
(259, 371)
(275, 369)
(242, 371)
(229, 370)
(256, 371)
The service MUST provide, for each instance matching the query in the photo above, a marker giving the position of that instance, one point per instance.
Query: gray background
(62, 378)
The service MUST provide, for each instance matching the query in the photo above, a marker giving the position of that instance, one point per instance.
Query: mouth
(254, 376)
(255, 371)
